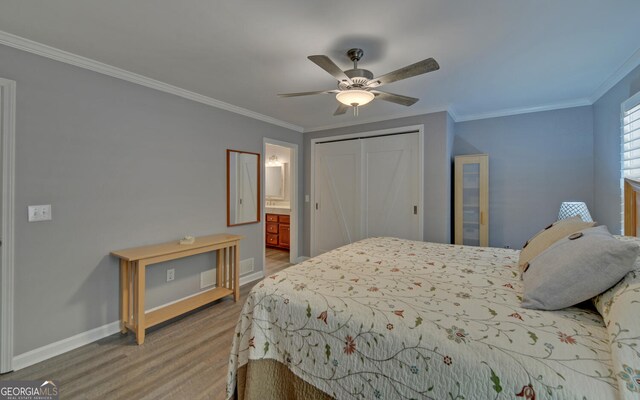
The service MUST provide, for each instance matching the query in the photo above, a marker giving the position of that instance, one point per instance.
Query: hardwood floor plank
(184, 358)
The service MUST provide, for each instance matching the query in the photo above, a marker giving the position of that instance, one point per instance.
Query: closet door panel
(391, 186)
(337, 195)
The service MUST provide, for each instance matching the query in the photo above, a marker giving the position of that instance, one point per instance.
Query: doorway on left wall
(2, 275)
(7, 136)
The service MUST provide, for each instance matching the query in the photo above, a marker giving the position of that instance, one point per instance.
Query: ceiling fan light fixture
(355, 97)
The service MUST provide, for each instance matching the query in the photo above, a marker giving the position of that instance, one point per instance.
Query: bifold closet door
(337, 194)
(391, 192)
(364, 188)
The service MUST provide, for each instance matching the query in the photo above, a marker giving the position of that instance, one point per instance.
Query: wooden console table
(132, 279)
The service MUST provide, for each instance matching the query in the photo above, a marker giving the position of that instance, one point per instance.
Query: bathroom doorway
(280, 204)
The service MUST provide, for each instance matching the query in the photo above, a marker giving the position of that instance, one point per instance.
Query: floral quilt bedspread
(387, 318)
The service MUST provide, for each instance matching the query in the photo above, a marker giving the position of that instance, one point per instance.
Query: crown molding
(460, 117)
(624, 70)
(629, 65)
(53, 53)
(376, 119)
(453, 114)
(524, 110)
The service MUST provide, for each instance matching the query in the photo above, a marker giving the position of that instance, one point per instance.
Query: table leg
(236, 270)
(219, 267)
(139, 292)
(124, 295)
(225, 266)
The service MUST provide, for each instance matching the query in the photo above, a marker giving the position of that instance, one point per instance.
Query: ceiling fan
(357, 86)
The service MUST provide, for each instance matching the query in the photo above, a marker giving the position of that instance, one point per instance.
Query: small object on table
(188, 240)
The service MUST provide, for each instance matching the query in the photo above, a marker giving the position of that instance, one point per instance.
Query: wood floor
(185, 358)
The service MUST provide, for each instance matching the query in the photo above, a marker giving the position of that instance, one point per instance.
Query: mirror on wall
(243, 187)
(274, 182)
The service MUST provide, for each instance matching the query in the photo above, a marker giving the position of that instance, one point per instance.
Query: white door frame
(7, 135)
(293, 196)
(391, 131)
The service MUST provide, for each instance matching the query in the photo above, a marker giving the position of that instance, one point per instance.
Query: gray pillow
(577, 268)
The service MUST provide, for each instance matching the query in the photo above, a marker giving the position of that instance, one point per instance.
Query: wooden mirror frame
(258, 181)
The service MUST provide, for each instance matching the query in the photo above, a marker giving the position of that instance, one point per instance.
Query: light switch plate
(40, 213)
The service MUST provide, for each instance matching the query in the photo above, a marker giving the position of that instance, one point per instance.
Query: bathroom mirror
(243, 187)
(274, 182)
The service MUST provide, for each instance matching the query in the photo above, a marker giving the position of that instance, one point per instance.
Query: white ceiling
(494, 55)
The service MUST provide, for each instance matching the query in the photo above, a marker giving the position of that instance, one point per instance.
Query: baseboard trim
(62, 346)
(251, 277)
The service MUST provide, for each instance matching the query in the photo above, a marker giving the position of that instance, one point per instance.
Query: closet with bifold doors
(364, 187)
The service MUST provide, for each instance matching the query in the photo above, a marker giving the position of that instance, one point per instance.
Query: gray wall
(438, 138)
(536, 161)
(607, 148)
(122, 165)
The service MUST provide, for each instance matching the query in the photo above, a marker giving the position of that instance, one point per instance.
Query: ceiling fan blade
(341, 109)
(395, 98)
(326, 64)
(421, 67)
(307, 93)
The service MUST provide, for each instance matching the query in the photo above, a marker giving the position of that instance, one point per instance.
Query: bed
(387, 318)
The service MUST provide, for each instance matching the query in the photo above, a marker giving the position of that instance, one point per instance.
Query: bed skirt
(271, 380)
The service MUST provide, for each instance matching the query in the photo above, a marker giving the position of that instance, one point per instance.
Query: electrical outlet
(171, 274)
(40, 213)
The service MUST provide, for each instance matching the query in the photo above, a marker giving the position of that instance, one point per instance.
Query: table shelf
(160, 315)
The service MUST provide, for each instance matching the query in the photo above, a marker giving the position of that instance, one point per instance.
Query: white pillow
(548, 236)
(577, 268)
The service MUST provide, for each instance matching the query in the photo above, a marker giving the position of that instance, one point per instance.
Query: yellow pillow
(548, 236)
